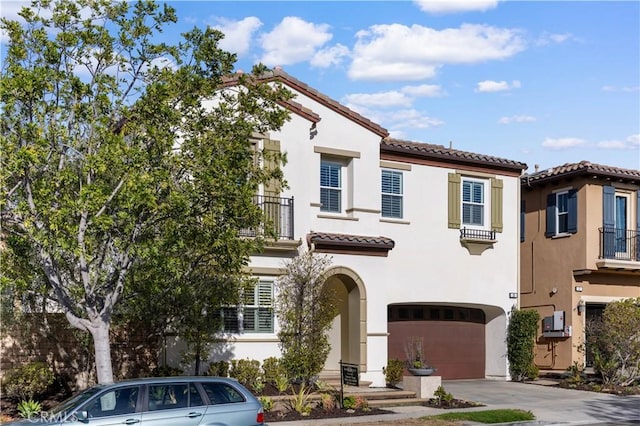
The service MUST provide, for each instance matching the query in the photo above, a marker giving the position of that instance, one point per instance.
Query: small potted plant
(416, 362)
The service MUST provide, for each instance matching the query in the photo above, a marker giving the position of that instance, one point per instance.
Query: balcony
(278, 213)
(619, 249)
(477, 240)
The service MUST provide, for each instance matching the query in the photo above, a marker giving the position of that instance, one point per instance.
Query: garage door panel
(456, 349)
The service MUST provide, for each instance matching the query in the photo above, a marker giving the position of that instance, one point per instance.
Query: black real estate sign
(349, 373)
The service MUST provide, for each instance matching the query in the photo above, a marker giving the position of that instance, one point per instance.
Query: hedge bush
(28, 381)
(521, 340)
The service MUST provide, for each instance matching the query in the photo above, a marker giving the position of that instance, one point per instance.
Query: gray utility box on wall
(554, 326)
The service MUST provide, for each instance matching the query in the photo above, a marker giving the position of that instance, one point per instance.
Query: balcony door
(621, 218)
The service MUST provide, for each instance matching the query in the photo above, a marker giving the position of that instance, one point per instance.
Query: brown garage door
(456, 347)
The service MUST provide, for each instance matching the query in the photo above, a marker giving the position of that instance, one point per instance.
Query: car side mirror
(82, 416)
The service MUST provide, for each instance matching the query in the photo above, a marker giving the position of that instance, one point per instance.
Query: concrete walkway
(550, 405)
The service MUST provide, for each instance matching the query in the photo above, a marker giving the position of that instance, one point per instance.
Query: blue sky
(545, 82)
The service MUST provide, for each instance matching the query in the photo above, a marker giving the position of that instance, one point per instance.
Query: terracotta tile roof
(440, 153)
(581, 169)
(277, 74)
(350, 241)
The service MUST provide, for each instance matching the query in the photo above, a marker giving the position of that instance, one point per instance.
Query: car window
(169, 396)
(222, 393)
(116, 402)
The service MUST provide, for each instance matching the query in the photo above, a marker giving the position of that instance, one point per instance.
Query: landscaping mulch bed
(320, 413)
(454, 403)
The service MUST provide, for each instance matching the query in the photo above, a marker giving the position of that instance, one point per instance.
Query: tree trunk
(100, 332)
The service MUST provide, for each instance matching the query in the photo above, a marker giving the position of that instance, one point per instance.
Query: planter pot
(422, 371)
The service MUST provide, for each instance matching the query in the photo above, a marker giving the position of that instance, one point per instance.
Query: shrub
(29, 408)
(614, 342)
(327, 401)
(272, 369)
(521, 335)
(282, 383)
(393, 372)
(349, 403)
(218, 368)
(247, 372)
(361, 403)
(166, 371)
(28, 381)
(301, 400)
(267, 403)
(442, 395)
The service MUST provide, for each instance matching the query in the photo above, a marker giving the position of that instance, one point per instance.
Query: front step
(381, 403)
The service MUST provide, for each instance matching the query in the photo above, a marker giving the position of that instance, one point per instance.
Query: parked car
(183, 401)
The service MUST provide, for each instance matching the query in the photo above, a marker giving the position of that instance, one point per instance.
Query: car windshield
(76, 400)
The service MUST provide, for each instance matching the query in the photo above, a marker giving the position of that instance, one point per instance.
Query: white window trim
(486, 196)
(557, 211)
(344, 171)
(398, 195)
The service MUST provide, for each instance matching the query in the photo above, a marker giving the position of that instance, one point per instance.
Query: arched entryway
(348, 336)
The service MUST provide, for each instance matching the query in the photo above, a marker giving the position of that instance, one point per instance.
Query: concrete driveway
(550, 405)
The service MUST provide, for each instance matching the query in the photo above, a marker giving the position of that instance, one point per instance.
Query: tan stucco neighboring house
(580, 249)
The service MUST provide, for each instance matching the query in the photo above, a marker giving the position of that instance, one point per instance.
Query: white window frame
(485, 204)
(339, 189)
(253, 305)
(560, 214)
(394, 195)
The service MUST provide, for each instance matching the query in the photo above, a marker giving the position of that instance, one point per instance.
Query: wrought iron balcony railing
(278, 212)
(477, 234)
(620, 244)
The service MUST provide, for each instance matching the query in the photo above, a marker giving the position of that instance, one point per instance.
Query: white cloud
(333, 55)
(237, 34)
(631, 142)
(562, 143)
(424, 91)
(517, 119)
(399, 52)
(496, 86)
(454, 6)
(550, 38)
(379, 100)
(621, 89)
(411, 118)
(293, 40)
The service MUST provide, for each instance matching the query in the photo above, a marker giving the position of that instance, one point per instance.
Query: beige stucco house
(579, 250)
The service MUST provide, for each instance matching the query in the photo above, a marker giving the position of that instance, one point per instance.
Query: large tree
(109, 156)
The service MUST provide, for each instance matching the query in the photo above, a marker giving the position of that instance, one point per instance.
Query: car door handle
(131, 421)
(193, 414)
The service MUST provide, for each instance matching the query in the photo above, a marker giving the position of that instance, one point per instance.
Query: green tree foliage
(305, 310)
(521, 339)
(115, 179)
(614, 342)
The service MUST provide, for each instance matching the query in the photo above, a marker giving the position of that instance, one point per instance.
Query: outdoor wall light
(513, 295)
(578, 288)
(581, 306)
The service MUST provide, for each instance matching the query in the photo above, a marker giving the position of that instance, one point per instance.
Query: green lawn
(487, 416)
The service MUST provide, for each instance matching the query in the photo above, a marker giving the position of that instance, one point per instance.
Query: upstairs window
(473, 203)
(562, 213)
(330, 187)
(392, 194)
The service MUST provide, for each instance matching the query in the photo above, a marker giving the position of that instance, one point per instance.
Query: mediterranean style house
(424, 241)
(579, 250)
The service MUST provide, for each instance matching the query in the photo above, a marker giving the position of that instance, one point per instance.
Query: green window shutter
(454, 201)
(496, 204)
(272, 151)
